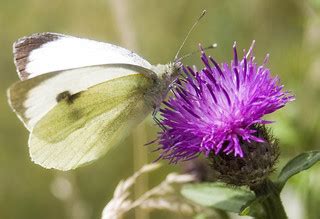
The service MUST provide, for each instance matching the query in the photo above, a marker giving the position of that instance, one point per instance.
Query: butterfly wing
(84, 126)
(50, 52)
(77, 97)
(31, 99)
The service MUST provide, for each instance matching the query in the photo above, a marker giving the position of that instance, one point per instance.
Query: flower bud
(251, 169)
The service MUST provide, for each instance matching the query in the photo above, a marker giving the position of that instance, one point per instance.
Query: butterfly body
(79, 98)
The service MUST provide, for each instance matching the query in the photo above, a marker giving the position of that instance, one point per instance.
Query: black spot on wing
(62, 96)
(23, 47)
(67, 96)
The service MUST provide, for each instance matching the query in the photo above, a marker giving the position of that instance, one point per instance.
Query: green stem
(271, 201)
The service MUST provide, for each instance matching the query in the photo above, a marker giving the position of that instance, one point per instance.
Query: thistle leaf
(253, 208)
(301, 162)
(218, 195)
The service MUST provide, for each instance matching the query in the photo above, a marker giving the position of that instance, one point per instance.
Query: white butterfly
(79, 97)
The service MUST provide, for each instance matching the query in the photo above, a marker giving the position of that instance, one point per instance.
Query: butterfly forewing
(31, 99)
(49, 52)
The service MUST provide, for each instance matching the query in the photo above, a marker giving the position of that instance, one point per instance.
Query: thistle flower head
(215, 110)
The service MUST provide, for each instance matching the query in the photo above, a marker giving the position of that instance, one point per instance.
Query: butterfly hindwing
(84, 126)
(49, 52)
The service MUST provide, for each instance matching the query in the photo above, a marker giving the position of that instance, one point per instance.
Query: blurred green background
(288, 29)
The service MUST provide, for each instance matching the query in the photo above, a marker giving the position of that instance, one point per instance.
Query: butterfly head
(167, 73)
(165, 77)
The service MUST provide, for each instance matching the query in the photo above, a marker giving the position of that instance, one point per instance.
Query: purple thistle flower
(216, 109)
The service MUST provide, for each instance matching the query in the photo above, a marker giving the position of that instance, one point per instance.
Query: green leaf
(218, 195)
(301, 162)
(254, 208)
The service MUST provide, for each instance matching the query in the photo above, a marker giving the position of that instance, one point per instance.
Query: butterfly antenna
(191, 29)
(212, 46)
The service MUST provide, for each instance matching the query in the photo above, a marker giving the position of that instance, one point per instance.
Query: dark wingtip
(25, 45)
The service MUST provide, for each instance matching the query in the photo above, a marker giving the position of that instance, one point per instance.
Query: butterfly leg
(156, 120)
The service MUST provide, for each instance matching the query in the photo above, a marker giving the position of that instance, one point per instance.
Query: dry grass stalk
(162, 196)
